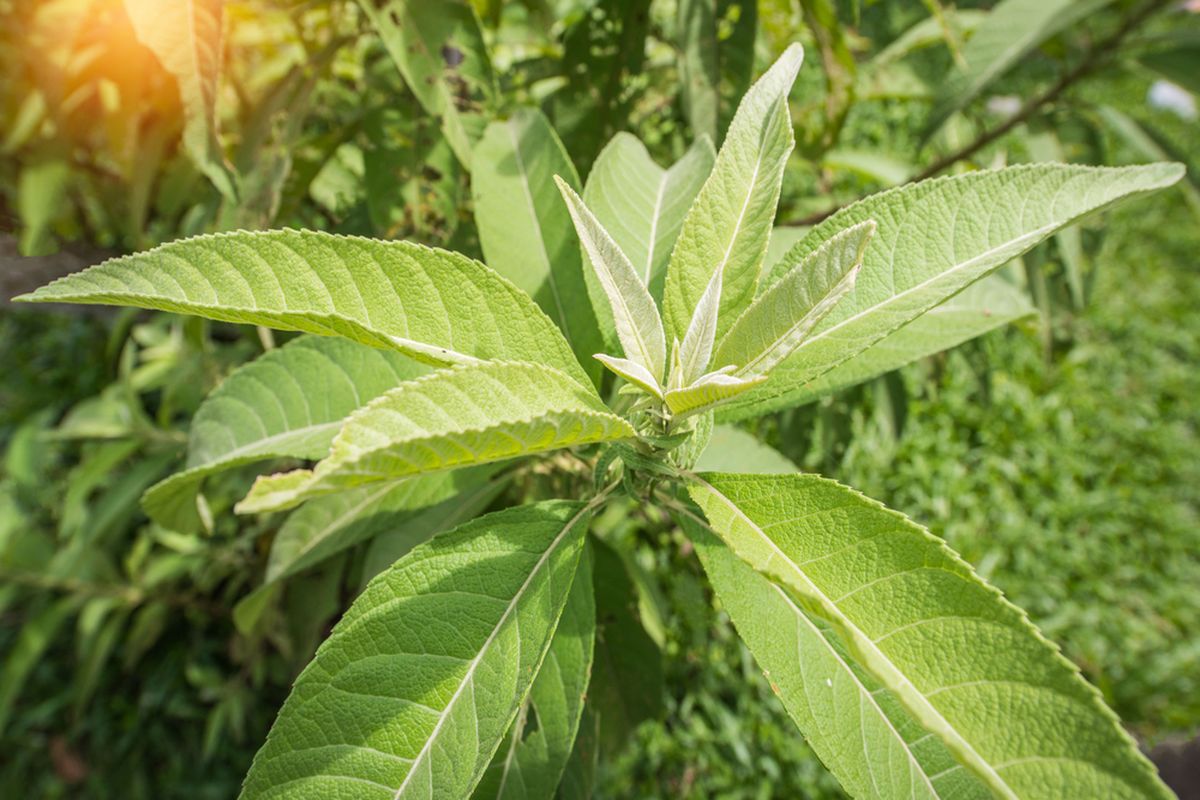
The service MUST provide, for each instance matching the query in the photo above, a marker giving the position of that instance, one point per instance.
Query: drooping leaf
(1011, 30)
(472, 414)
(643, 205)
(415, 688)
(439, 49)
(779, 319)
(288, 403)
(988, 218)
(716, 59)
(634, 313)
(727, 228)
(530, 762)
(186, 37)
(627, 676)
(525, 229)
(870, 744)
(968, 666)
(432, 305)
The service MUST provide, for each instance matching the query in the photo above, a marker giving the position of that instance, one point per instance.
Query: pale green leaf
(390, 545)
(727, 228)
(330, 524)
(968, 666)
(288, 403)
(534, 754)
(934, 239)
(983, 306)
(732, 449)
(696, 351)
(783, 239)
(525, 229)
(435, 306)
(439, 48)
(779, 319)
(633, 372)
(1152, 146)
(41, 189)
(627, 674)
(927, 32)
(415, 688)
(1011, 31)
(635, 315)
(862, 735)
(186, 37)
(452, 418)
(708, 392)
(643, 205)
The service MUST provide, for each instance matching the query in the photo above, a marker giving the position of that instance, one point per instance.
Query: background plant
(829, 426)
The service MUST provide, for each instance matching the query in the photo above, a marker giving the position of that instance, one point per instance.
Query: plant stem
(1094, 58)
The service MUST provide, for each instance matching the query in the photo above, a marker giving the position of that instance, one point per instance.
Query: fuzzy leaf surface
(968, 666)
(530, 762)
(290, 402)
(525, 229)
(473, 414)
(643, 205)
(727, 228)
(414, 690)
(982, 219)
(634, 312)
(435, 306)
(778, 320)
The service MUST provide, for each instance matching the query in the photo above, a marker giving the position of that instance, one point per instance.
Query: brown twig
(1096, 57)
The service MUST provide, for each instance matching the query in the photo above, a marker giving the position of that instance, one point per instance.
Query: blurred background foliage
(1058, 455)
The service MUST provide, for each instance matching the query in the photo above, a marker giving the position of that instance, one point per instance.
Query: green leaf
(453, 418)
(695, 352)
(530, 762)
(707, 392)
(525, 229)
(1011, 31)
(967, 665)
(438, 47)
(186, 37)
(643, 205)
(28, 648)
(635, 315)
(41, 190)
(934, 239)
(632, 372)
(732, 449)
(627, 676)
(289, 403)
(1150, 144)
(859, 731)
(412, 528)
(727, 228)
(330, 524)
(983, 306)
(1179, 64)
(415, 688)
(716, 52)
(435, 306)
(778, 321)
